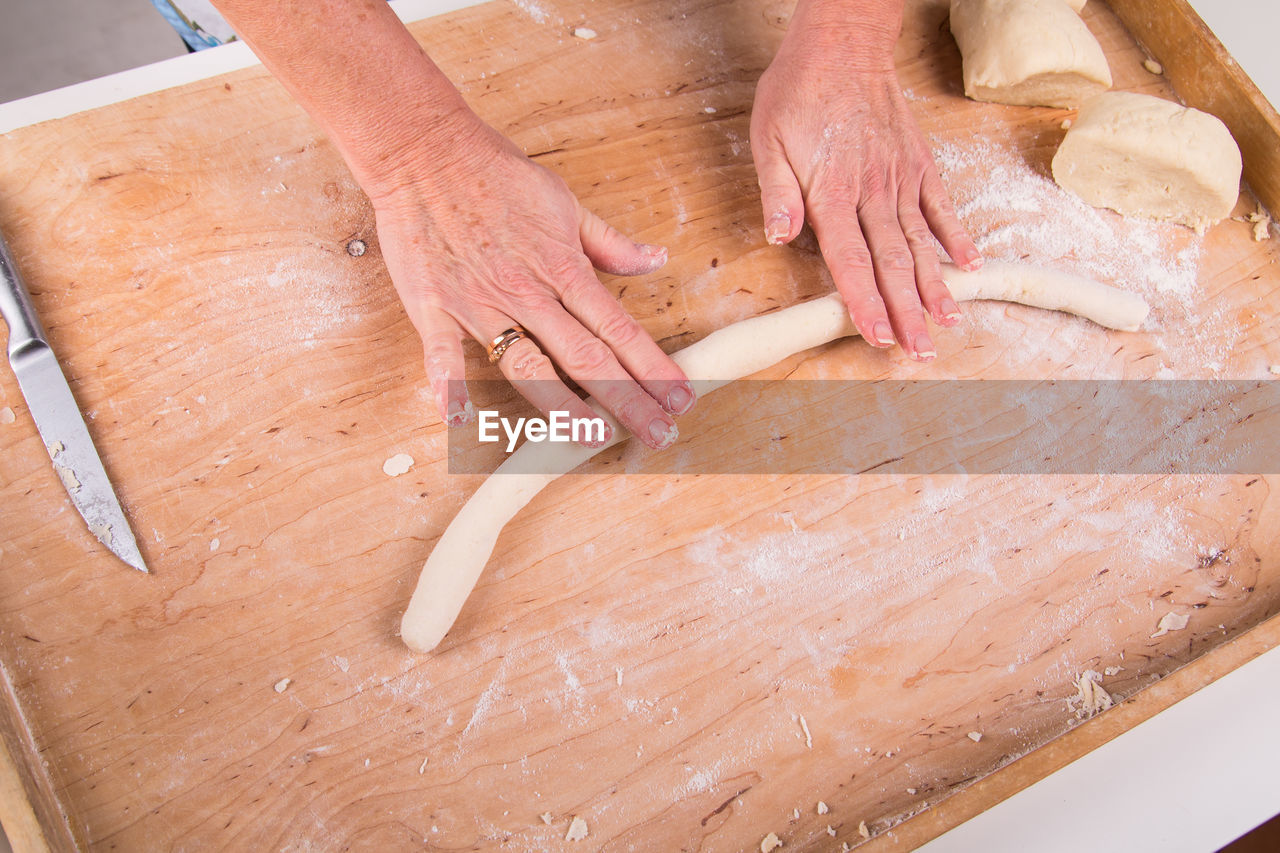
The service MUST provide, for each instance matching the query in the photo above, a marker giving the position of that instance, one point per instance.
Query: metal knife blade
(59, 421)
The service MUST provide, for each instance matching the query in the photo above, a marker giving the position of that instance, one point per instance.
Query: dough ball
(1028, 52)
(1144, 156)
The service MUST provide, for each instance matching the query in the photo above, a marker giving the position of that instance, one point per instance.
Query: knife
(59, 420)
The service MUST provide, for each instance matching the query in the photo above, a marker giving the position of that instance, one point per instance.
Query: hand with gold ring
(488, 244)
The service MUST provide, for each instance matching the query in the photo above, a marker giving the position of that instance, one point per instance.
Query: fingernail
(882, 333)
(460, 413)
(663, 434)
(923, 347)
(950, 310)
(777, 228)
(608, 436)
(652, 250)
(680, 399)
(972, 262)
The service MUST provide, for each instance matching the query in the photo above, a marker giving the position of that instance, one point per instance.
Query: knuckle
(619, 328)
(855, 259)
(528, 363)
(588, 356)
(897, 259)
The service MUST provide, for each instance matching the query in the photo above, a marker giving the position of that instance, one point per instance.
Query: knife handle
(16, 307)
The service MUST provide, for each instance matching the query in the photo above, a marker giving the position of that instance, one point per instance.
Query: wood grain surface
(685, 662)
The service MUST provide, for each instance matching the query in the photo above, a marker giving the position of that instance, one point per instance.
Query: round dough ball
(1144, 156)
(1028, 52)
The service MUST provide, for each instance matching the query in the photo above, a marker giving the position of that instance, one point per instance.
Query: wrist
(862, 32)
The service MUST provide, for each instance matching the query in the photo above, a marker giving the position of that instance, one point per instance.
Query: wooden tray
(685, 663)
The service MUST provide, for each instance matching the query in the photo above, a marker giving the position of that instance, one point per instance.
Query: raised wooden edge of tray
(1061, 751)
(29, 809)
(1207, 77)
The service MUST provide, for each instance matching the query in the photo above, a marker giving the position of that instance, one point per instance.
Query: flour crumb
(822, 807)
(1170, 622)
(975, 736)
(577, 829)
(422, 768)
(1090, 698)
(397, 465)
(862, 829)
(804, 727)
(283, 684)
(1153, 66)
(770, 842)
(584, 33)
(7, 416)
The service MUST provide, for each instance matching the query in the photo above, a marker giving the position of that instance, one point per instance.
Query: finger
(533, 375)
(593, 365)
(596, 309)
(446, 365)
(895, 271)
(932, 289)
(779, 193)
(938, 211)
(612, 252)
(845, 251)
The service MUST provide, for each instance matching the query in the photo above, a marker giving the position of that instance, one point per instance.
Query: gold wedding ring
(499, 344)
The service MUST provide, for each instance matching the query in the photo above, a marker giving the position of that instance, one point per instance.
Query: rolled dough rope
(738, 350)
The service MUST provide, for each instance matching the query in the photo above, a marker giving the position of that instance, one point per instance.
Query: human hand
(478, 239)
(833, 139)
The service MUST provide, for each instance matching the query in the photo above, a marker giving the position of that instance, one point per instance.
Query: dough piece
(738, 350)
(578, 830)
(1028, 52)
(1144, 156)
(397, 465)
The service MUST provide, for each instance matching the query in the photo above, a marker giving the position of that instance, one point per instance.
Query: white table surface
(1192, 778)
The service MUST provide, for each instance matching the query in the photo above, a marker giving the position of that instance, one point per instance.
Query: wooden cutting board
(684, 662)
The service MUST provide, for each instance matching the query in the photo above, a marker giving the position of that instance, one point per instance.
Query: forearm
(864, 31)
(360, 74)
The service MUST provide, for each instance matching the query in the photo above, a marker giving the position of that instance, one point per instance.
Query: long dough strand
(738, 350)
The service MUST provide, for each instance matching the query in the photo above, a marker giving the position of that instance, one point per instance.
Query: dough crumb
(975, 736)
(911, 791)
(618, 672)
(397, 465)
(584, 33)
(103, 532)
(1153, 66)
(1171, 622)
(709, 110)
(1066, 124)
(1261, 225)
(1090, 698)
(862, 829)
(56, 447)
(214, 543)
(422, 768)
(770, 842)
(7, 416)
(577, 829)
(1112, 670)
(283, 684)
(68, 477)
(822, 807)
(1275, 369)
(831, 831)
(804, 727)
